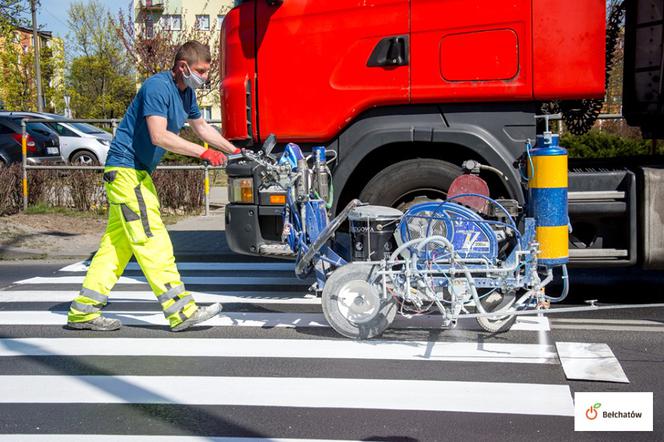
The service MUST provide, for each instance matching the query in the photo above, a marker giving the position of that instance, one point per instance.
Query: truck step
(280, 250)
(579, 254)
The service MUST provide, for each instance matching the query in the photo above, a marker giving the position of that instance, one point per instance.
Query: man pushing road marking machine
(468, 257)
(150, 126)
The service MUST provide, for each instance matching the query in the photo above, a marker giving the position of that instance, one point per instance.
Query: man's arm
(211, 135)
(160, 136)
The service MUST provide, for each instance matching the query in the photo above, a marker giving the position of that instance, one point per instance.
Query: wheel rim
(85, 160)
(406, 201)
(358, 301)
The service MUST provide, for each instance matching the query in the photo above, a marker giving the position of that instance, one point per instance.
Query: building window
(171, 22)
(176, 22)
(203, 22)
(220, 20)
(206, 112)
(149, 28)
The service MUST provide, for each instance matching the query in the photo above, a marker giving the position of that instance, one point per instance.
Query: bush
(86, 190)
(11, 195)
(180, 191)
(596, 144)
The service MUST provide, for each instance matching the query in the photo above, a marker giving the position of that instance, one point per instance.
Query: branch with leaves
(154, 53)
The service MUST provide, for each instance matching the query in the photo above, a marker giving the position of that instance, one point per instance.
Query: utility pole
(35, 37)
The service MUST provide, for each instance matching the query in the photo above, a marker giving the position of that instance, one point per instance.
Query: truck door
(321, 63)
(470, 50)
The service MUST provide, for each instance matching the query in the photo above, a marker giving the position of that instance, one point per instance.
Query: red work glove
(214, 157)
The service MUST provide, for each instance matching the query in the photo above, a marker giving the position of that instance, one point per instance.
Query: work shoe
(200, 315)
(98, 324)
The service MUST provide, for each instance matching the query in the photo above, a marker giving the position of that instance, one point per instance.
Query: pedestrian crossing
(268, 368)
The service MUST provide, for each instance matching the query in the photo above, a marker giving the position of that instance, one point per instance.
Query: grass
(44, 209)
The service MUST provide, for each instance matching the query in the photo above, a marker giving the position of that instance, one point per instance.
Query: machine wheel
(354, 307)
(84, 158)
(494, 302)
(408, 182)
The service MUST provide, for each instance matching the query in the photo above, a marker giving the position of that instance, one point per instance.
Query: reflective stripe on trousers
(134, 228)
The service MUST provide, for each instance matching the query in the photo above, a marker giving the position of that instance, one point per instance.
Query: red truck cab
(404, 91)
(306, 69)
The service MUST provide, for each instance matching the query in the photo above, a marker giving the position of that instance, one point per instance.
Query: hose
(565, 291)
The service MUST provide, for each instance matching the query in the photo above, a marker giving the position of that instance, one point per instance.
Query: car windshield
(87, 128)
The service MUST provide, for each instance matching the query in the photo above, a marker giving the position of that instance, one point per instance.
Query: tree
(17, 73)
(152, 51)
(97, 90)
(13, 13)
(93, 33)
(100, 81)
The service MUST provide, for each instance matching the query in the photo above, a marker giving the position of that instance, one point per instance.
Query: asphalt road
(269, 367)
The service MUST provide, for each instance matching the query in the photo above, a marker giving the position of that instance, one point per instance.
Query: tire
(407, 182)
(494, 302)
(84, 158)
(339, 287)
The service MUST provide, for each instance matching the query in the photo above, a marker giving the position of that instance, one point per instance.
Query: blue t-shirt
(159, 95)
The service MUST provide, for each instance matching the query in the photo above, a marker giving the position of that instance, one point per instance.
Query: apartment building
(154, 16)
(14, 74)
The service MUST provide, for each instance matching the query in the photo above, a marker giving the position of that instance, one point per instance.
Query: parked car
(43, 144)
(80, 143)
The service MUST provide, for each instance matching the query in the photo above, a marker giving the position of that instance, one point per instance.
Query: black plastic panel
(643, 92)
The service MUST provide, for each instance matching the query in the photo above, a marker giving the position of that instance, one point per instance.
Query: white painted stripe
(157, 318)
(635, 328)
(283, 348)
(143, 438)
(225, 319)
(604, 321)
(590, 362)
(380, 394)
(138, 296)
(82, 266)
(208, 280)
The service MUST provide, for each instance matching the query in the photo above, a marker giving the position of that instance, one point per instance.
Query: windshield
(87, 128)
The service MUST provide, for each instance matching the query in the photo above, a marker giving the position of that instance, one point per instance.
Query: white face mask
(193, 80)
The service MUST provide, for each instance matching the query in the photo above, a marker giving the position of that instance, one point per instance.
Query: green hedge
(596, 144)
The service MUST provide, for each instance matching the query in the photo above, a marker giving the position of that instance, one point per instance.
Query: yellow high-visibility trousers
(134, 228)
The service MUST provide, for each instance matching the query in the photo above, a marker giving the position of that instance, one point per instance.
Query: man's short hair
(192, 52)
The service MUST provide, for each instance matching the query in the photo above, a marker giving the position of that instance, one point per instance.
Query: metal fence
(114, 123)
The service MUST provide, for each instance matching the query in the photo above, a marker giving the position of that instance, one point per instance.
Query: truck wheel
(495, 302)
(409, 182)
(353, 306)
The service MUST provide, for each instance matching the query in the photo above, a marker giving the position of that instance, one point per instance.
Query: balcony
(152, 5)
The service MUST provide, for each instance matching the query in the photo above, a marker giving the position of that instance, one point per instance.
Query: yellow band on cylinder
(550, 171)
(207, 185)
(553, 242)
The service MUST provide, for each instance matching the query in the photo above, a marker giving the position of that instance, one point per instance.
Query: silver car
(80, 143)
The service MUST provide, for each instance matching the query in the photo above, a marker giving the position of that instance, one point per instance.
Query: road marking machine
(470, 256)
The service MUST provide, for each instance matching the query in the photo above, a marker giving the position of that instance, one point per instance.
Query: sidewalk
(197, 237)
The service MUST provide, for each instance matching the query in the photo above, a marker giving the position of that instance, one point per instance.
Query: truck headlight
(241, 190)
